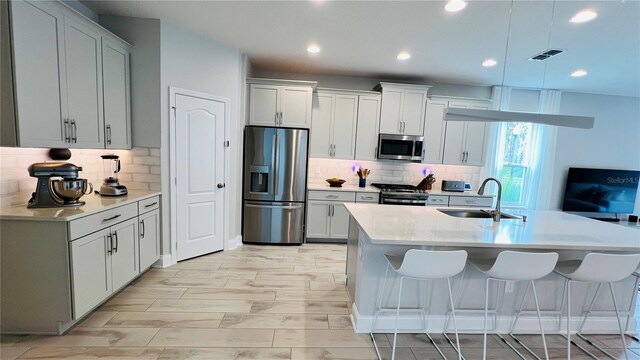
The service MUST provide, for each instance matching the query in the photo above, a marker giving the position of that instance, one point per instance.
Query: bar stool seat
(599, 269)
(516, 266)
(420, 265)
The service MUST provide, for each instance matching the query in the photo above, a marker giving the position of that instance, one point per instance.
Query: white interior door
(199, 164)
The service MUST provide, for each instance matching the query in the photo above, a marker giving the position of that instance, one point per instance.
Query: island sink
(474, 214)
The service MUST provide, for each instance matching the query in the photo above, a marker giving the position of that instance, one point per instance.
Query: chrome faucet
(495, 214)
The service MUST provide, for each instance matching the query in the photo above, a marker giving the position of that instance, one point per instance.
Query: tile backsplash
(390, 172)
(140, 169)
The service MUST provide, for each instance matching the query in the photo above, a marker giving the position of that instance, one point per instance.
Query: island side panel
(35, 279)
(371, 270)
(352, 258)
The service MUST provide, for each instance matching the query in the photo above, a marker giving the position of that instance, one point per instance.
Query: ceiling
(362, 38)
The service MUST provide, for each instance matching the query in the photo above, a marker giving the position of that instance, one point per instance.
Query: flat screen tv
(601, 190)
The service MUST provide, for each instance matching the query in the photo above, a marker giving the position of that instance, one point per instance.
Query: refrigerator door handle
(285, 207)
(276, 165)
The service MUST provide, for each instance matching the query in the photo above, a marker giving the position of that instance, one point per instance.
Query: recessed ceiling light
(455, 5)
(579, 73)
(314, 49)
(584, 16)
(404, 56)
(489, 63)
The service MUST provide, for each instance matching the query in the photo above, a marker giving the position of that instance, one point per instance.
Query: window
(516, 161)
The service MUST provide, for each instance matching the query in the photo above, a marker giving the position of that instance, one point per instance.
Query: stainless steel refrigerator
(275, 184)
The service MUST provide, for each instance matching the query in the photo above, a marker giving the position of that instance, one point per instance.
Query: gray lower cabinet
(90, 271)
(149, 238)
(102, 263)
(72, 266)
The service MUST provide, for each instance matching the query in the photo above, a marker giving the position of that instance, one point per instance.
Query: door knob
(221, 185)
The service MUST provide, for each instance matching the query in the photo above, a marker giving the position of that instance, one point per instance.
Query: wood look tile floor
(256, 302)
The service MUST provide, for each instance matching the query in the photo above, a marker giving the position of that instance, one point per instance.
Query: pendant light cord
(506, 53)
(544, 76)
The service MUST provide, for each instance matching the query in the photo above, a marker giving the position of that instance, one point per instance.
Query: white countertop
(94, 203)
(413, 225)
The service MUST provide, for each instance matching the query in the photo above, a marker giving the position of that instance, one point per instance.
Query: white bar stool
(421, 265)
(516, 266)
(633, 302)
(598, 269)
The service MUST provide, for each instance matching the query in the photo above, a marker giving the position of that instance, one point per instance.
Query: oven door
(403, 201)
(400, 147)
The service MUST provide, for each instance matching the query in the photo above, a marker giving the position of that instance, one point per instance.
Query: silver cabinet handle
(110, 245)
(115, 236)
(332, 196)
(399, 126)
(462, 157)
(67, 130)
(332, 209)
(74, 133)
(108, 134)
(367, 197)
(276, 121)
(329, 210)
(150, 205)
(403, 125)
(281, 117)
(142, 230)
(111, 218)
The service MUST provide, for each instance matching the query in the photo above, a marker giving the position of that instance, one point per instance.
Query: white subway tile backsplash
(140, 169)
(390, 171)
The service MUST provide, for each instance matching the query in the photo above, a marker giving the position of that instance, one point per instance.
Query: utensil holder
(362, 183)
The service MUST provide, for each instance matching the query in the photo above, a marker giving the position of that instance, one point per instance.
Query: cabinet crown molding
(347, 91)
(444, 97)
(382, 85)
(282, 82)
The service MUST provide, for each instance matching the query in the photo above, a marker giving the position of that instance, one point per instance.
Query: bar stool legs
(420, 265)
(599, 269)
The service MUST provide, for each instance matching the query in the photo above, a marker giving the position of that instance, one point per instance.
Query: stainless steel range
(398, 194)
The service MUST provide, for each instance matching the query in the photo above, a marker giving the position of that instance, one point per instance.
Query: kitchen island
(376, 230)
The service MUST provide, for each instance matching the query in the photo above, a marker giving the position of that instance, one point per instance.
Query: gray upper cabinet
(281, 103)
(71, 80)
(39, 67)
(82, 48)
(403, 108)
(116, 87)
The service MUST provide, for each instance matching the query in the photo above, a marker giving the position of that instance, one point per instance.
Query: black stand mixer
(57, 193)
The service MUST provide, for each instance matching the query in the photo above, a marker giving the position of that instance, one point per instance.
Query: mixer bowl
(71, 190)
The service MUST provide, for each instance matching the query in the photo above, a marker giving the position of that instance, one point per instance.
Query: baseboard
(163, 262)
(473, 322)
(234, 243)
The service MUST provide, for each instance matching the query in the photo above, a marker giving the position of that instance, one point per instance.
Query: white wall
(613, 143)
(193, 62)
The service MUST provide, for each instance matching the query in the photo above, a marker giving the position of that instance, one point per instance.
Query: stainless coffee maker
(59, 192)
(111, 167)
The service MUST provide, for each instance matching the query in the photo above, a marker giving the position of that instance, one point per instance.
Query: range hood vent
(459, 114)
(547, 54)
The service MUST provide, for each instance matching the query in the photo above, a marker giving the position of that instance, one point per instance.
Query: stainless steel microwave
(400, 147)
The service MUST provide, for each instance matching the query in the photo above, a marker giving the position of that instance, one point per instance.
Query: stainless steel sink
(474, 214)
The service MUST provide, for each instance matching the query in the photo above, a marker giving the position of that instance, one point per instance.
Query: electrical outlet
(509, 286)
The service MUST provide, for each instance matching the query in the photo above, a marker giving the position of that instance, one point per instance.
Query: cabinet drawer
(442, 200)
(149, 204)
(101, 220)
(367, 197)
(332, 195)
(479, 201)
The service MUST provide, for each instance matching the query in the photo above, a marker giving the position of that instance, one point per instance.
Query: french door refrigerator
(275, 184)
